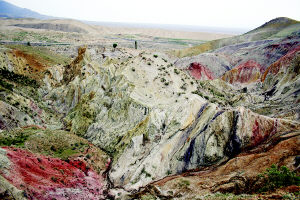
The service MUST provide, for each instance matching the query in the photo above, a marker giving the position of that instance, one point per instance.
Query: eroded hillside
(128, 123)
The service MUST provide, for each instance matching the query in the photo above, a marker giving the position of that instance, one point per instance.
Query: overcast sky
(216, 13)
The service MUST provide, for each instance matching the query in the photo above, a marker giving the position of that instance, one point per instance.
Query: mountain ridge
(265, 31)
(11, 11)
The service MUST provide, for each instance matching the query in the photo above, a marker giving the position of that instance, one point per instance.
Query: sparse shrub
(148, 197)
(163, 80)
(17, 78)
(183, 87)
(176, 71)
(155, 56)
(133, 69)
(16, 104)
(6, 85)
(8, 98)
(215, 93)
(16, 139)
(285, 90)
(145, 172)
(184, 184)
(54, 179)
(201, 83)
(115, 45)
(88, 156)
(148, 63)
(276, 177)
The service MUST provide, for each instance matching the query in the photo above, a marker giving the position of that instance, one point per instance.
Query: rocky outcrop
(284, 61)
(238, 175)
(43, 177)
(244, 62)
(68, 167)
(133, 119)
(216, 64)
(247, 72)
(200, 72)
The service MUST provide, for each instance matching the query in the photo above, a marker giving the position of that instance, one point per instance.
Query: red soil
(31, 60)
(283, 61)
(200, 72)
(249, 71)
(261, 133)
(47, 178)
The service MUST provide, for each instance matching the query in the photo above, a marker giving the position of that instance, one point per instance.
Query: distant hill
(11, 11)
(276, 28)
(275, 24)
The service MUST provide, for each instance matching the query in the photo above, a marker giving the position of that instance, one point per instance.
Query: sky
(212, 13)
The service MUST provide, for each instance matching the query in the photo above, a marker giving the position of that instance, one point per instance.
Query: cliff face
(132, 120)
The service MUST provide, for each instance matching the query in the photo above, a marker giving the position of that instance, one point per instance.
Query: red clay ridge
(283, 61)
(44, 177)
(247, 72)
(199, 71)
(261, 133)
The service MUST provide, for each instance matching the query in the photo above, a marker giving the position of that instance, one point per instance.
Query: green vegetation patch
(29, 36)
(81, 116)
(148, 197)
(123, 142)
(222, 196)
(276, 177)
(5, 85)
(183, 183)
(16, 137)
(20, 36)
(56, 143)
(17, 78)
(42, 54)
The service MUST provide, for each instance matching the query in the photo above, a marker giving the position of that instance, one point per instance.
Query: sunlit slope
(278, 27)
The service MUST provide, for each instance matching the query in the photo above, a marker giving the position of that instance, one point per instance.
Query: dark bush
(18, 78)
